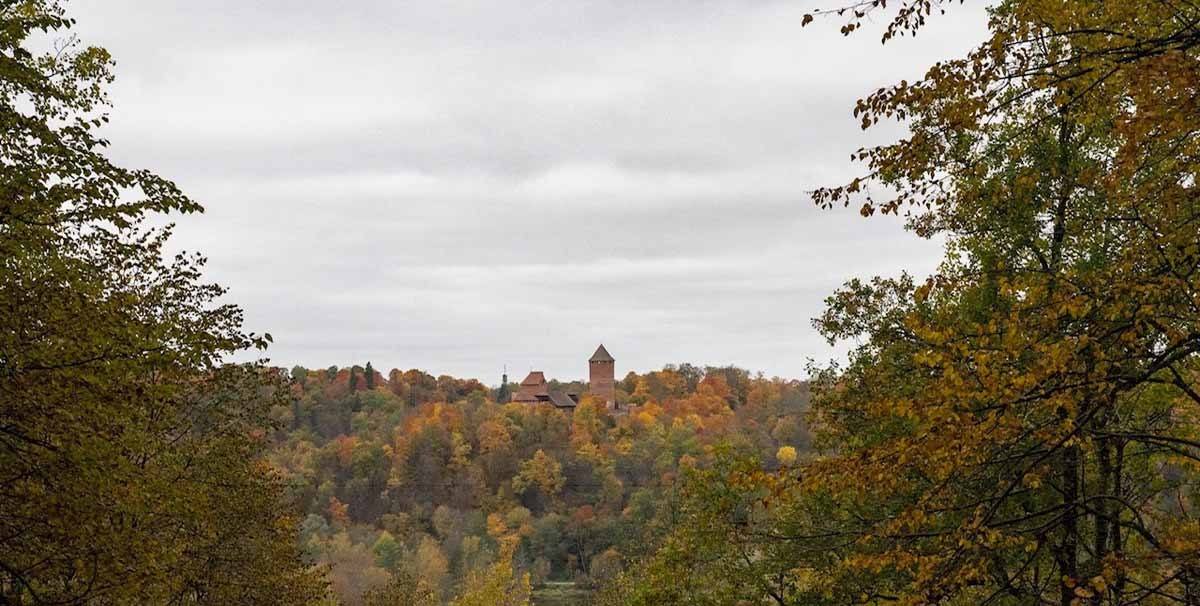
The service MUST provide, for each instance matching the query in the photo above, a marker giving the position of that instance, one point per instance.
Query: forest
(433, 476)
(1021, 426)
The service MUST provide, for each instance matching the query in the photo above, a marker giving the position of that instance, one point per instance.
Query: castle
(602, 385)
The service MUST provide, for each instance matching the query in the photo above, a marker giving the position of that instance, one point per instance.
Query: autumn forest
(1020, 426)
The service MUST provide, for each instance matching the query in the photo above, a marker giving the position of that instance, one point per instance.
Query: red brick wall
(601, 382)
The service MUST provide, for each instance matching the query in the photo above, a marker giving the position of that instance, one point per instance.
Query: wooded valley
(1020, 426)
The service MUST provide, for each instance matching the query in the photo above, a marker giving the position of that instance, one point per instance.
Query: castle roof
(562, 400)
(601, 355)
(535, 378)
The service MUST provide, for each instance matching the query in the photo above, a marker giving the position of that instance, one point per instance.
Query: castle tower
(601, 372)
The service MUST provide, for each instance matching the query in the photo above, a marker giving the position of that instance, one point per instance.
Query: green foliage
(387, 551)
(503, 395)
(129, 450)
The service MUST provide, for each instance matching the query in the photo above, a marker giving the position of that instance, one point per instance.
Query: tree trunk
(1068, 550)
(1118, 542)
(1068, 464)
(1104, 508)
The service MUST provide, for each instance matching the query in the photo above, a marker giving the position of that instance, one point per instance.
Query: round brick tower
(601, 372)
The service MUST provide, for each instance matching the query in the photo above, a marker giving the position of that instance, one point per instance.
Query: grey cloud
(459, 185)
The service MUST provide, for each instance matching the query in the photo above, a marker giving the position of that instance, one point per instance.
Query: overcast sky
(455, 186)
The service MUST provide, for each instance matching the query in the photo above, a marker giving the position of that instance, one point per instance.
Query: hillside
(430, 474)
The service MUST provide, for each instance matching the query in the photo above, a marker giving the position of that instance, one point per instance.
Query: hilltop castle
(602, 385)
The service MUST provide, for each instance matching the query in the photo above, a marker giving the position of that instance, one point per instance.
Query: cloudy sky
(456, 185)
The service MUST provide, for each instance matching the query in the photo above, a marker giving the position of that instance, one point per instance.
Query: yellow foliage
(786, 456)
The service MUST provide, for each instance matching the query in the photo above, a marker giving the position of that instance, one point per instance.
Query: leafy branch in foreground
(128, 449)
(1021, 427)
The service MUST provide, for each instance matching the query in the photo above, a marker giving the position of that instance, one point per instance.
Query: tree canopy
(128, 448)
(428, 485)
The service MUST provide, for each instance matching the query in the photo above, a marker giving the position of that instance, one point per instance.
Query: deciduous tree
(129, 451)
